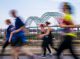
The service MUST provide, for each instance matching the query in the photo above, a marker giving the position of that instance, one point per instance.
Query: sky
(27, 8)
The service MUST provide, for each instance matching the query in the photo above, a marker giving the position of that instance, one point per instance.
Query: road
(39, 57)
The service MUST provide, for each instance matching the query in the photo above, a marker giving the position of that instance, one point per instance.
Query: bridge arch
(46, 16)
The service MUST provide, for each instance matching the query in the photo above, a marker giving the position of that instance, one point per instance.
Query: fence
(32, 32)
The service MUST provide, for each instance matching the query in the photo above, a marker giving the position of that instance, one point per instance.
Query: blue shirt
(8, 31)
(18, 24)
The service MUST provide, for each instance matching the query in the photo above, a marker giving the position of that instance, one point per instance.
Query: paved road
(38, 57)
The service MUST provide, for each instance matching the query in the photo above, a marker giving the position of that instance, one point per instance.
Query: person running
(68, 34)
(51, 36)
(7, 32)
(45, 40)
(20, 41)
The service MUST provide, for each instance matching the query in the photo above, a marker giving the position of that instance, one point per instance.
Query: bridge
(35, 45)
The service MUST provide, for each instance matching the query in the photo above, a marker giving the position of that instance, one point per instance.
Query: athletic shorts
(18, 42)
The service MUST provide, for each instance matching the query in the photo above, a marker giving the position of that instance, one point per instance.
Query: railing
(31, 32)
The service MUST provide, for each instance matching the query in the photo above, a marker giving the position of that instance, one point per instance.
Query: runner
(68, 34)
(20, 40)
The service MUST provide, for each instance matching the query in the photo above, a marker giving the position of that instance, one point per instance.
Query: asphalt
(39, 57)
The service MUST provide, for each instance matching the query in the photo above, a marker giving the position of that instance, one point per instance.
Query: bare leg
(15, 52)
(28, 53)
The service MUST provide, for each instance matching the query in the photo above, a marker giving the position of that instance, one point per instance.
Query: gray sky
(28, 8)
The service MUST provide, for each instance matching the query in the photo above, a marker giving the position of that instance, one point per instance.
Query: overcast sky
(28, 8)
